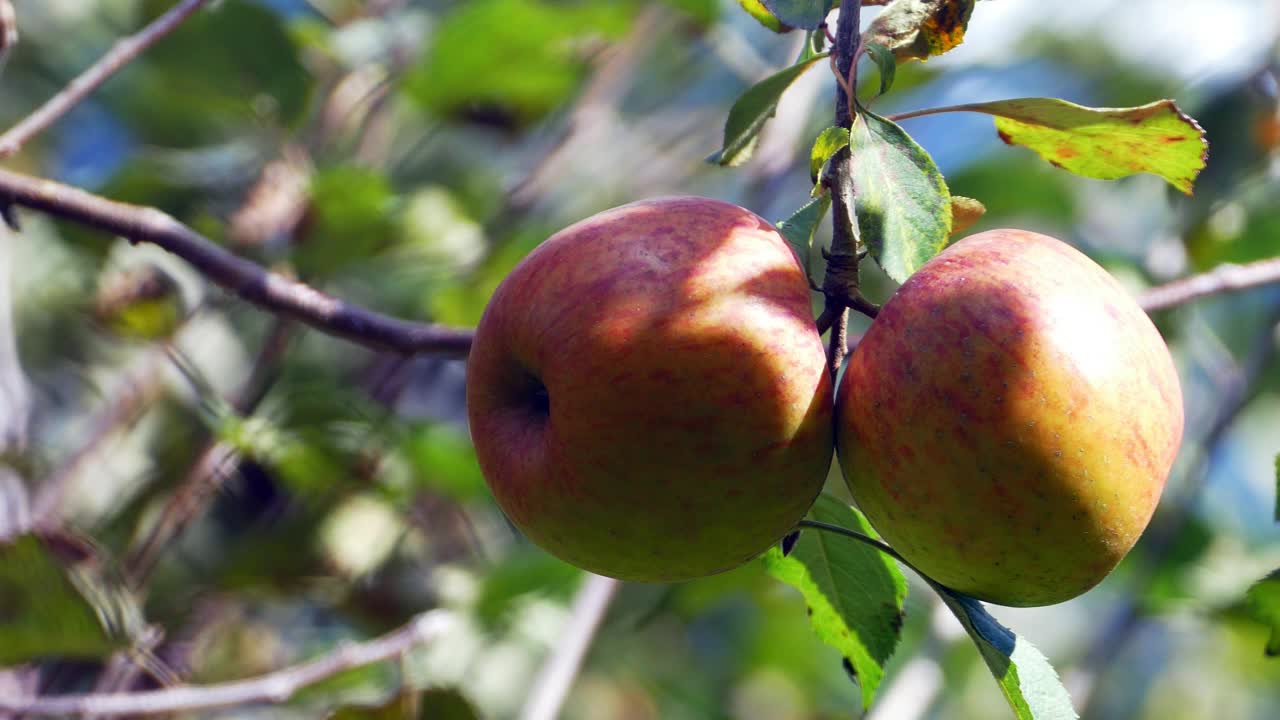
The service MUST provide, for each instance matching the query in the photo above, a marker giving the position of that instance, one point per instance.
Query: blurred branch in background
(124, 52)
(276, 293)
(556, 678)
(275, 687)
(246, 279)
(1221, 280)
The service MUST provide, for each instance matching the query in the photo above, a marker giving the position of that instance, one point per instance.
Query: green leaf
(231, 64)
(446, 704)
(540, 64)
(1026, 678)
(1278, 488)
(799, 229)
(1104, 143)
(352, 217)
(814, 42)
(807, 14)
(920, 29)
(51, 608)
(903, 204)
(704, 12)
(749, 114)
(885, 61)
(757, 10)
(444, 460)
(854, 593)
(1263, 600)
(830, 142)
(526, 572)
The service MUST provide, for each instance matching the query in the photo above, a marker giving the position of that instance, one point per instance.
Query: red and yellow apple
(648, 394)
(1009, 420)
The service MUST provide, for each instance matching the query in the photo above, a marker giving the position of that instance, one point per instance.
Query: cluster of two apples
(649, 399)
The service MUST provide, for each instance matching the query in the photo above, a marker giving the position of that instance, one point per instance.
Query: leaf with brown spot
(920, 29)
(1104, 143)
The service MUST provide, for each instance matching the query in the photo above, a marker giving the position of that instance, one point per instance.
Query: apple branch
(274, 687)
(1221, 280)
(121, 54)
(840, 286)
(268, 290)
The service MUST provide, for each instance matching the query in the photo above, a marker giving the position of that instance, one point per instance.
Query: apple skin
(648, 394)
(1009, 420)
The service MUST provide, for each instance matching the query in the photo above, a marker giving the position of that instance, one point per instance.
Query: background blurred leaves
(439, 141)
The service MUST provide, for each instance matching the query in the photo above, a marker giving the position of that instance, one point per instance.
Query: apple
(1009, 420)
(648, 394)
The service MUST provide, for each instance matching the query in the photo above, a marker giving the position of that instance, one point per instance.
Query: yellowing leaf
(757, 10)
(807, 14)
(920, 29)
(964, 213)
(829, 142)
(1104, 143)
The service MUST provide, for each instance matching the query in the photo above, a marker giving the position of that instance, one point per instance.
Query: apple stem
(880, 545)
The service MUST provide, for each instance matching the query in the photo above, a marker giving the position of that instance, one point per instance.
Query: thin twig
(252, 283)
(556, 678)
(898, 117)
(1219, 281)
(880, 545)
(121, 54)
(274, 687)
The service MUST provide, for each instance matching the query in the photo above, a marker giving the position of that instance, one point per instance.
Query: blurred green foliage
(442, 140)
(511, 60)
